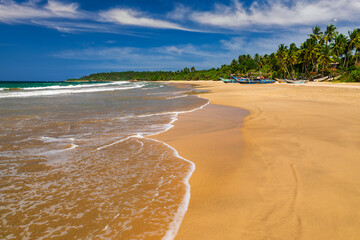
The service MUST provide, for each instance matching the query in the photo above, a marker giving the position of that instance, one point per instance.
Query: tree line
(323, 53)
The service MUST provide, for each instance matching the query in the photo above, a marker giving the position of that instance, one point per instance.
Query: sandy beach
(289, 170)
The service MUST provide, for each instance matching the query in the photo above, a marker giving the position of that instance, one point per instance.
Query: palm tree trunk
(286, 68)
(345, 60)
(313, 65)
(292, 71)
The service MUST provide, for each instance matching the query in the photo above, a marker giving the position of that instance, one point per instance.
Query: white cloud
(260, 16)
(234, 44)
(63, 10)
(188, 50)
(174, 49)
(265, 44)
(279, 13)
(73, 27)
(65, 17)
(179, 13)
(135, 18)
(10, 11)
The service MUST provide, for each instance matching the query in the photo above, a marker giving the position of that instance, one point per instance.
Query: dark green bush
(355, 75)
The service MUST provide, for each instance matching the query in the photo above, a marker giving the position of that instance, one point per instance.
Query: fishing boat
(241, 80)
(253, 81)
(295, 81)
(280, 80)
(264, 81)
(323, 79)
(228, 80)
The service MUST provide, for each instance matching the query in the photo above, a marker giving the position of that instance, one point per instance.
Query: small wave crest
(60, 91)
(75, 86)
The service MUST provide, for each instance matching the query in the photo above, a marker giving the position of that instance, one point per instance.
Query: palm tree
(263, 61)
(292, 57)
(303, 57)
(339, 46)
(281, 54)
(354, 42)
(353, 39)
(313, 52)
(330, 34)
(325, 57)
(317, 34)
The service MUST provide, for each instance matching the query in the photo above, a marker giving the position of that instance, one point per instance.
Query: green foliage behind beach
(323, 54)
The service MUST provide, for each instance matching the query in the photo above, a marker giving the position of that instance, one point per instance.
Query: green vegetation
(322, 54)
(185, 74)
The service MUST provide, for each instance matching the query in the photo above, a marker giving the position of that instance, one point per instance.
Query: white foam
(172, 93)
(75, 86)
(52, 139)
(106, 227)
(52, 152)
(141, 147)
(181, 96)
(183, 207)
(64, 91)
(72, 146)
(121, 140)
(162, 113)
(146, 115)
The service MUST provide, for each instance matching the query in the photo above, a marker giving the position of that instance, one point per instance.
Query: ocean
(77, 160)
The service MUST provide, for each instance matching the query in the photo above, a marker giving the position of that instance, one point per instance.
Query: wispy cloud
(180, 12)
(76, 27)
(281, 13)
(131, 17)
(63, 10)
(261, 15)
(265, 44)
(53, 13)
(12, 12)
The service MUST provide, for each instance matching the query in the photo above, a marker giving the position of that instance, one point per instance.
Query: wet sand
(289, 171)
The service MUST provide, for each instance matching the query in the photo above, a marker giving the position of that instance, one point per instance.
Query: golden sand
(291, 171)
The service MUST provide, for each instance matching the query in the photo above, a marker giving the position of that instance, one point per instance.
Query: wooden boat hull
(295, 81)
(228, 80)
(324, 79)
(253, 81)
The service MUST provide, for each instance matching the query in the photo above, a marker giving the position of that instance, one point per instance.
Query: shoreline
(286, 182)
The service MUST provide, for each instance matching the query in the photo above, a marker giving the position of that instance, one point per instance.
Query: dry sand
(290, 171)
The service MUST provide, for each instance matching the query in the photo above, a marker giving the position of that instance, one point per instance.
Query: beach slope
(289, 171)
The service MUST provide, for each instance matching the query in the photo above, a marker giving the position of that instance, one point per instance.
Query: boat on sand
(323, 79)
(228, 80)
(291, 81)
(253, 81)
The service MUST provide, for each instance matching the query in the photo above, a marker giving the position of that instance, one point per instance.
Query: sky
(52, 40)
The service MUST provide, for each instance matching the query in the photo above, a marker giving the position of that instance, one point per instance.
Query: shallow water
(74, 163)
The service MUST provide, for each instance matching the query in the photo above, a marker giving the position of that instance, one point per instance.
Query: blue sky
(52, 40)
